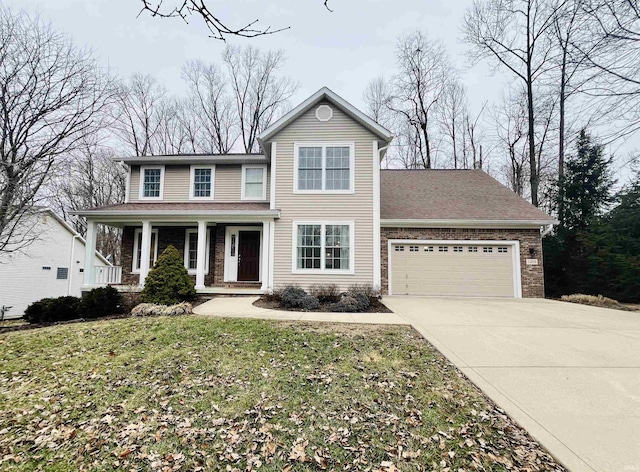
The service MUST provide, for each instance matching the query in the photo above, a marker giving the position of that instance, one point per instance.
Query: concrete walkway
(242, 307)
(569, 374)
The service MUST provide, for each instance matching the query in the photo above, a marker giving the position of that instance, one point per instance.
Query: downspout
(546, 231)
(73, 241)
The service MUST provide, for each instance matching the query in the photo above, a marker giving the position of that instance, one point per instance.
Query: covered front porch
(223, 253)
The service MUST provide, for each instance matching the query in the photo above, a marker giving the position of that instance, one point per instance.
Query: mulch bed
(263, 302)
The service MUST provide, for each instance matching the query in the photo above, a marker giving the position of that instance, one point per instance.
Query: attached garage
(454, 268)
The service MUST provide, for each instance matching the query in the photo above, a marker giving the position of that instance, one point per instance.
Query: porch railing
(109, 275)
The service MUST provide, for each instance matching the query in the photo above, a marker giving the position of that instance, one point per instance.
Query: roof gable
(321, 95)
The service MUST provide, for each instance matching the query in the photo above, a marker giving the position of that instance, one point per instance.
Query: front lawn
(196, 393)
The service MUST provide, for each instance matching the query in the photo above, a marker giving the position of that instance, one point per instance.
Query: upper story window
(254, 182)
(151, 182)
(327, 168)
(202, 180)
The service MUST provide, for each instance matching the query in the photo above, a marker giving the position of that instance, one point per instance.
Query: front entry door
(249, 256)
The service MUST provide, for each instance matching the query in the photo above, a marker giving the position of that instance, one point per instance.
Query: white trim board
(459, 223)
(517, 269)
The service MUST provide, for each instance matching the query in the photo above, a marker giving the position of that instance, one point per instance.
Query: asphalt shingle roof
(451, 194)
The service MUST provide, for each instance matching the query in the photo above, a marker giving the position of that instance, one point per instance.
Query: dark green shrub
(168, 283)
(51, 310)
(329, 293)
(309, 303)
(362, 300)
(292, 296)
(103, 301)
(347, 304)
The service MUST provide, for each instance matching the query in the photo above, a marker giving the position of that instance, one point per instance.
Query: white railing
(108, 275)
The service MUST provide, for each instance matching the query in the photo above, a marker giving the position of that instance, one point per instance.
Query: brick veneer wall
(532, 276)
(174, 235)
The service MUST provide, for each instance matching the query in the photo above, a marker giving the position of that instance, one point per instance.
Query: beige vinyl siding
(357, 207)
(177, 183)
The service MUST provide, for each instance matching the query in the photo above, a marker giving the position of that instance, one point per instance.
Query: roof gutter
(462, 223)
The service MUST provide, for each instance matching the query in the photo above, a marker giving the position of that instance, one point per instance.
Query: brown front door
(249, 256)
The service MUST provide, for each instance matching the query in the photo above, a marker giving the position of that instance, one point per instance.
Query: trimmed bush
(329, 293)
(292, 296)
(103, 301)
(168, 283)
(150, 309)
(309, 303)
(592, 300)
(362, 300)
(51, 310)
(347, 304)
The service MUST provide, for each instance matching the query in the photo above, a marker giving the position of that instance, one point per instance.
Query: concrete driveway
(569, 374)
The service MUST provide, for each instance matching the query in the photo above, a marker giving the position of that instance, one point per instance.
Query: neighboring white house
(51, 266)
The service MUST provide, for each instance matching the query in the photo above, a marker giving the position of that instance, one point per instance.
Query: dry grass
(599, 301)
(195, 393)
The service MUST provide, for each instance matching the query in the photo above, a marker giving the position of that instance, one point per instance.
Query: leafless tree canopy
(51, 96)
(217, 26)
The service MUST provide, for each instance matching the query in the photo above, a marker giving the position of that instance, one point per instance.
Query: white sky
(342, 50)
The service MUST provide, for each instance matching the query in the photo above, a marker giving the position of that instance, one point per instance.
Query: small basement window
(63, 273)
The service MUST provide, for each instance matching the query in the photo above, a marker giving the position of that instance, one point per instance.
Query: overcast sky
(342, 50)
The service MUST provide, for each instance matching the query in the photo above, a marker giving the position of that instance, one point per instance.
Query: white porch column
(145, 250)
(201, 261)
(89, 254)
(266, 255)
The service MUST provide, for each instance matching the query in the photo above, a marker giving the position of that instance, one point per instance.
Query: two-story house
(314, 207)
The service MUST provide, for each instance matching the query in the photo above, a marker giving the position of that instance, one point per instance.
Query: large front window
(324, 168)
(324, 247)
(152, 182)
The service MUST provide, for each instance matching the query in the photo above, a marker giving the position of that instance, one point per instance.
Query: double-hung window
(151, 182)
(324, 168)
(191, 251)
(202, 180)
(137, 249)
(254, 182)
(321, 247)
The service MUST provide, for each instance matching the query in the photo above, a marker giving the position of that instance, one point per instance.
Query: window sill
(323, 272)
(201, 199)
(193, 272)
(324, 192)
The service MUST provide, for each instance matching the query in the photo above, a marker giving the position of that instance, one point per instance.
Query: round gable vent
(324, 113)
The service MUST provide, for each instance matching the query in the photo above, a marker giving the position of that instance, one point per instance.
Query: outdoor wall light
(532, 251)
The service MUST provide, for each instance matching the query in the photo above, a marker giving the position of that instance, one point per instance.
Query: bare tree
(259, 92)
(423, 74)
(139, 114)
(51, 96)
(452, 112)
(514, 34)
(210, 98)
(90, 178)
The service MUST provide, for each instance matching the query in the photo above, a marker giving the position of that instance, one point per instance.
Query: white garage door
(453, 269)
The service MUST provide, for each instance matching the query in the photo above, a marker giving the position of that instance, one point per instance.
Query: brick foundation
(532, 276)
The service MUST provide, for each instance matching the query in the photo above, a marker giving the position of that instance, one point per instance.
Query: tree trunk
(533, 179)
